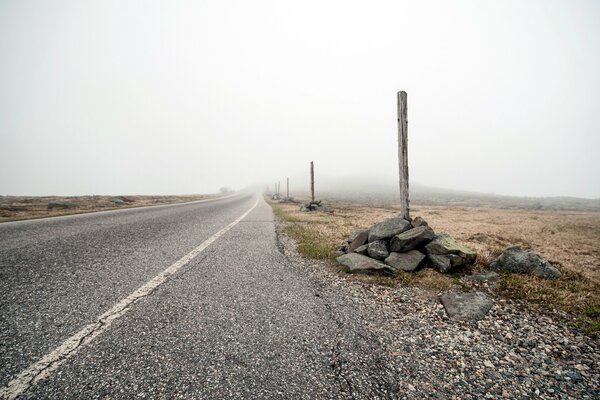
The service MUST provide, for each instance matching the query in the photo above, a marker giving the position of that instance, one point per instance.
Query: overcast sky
(171, 97)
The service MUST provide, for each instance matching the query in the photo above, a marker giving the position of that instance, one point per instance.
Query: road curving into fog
(189, 300)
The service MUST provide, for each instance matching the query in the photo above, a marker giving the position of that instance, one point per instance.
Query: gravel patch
(513, 352)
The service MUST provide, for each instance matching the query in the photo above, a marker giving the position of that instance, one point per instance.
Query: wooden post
(312, 181)
(288, 188)
(402, 154)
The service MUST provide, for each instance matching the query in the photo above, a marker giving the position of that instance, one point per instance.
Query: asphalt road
(238, 320)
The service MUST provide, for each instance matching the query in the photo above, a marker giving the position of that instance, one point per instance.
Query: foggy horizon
(181, 97)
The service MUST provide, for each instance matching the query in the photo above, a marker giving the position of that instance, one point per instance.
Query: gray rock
(378, 250)
(418, 221)
(574, 376)
(466, 306)
(444, 244)
(358, 240)
(486, 276)
(358, 263)
(440, 263)
(61, 205)
(354, 234)
(515, 259)
(388, 228)
(117, 201)
(362, 249)
(445, 262)
(407, 262)
(411, 239)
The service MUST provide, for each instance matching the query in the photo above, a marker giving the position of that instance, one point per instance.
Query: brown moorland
(15, 208)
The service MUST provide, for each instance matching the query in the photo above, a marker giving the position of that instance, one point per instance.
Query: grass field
(568, 240)
(15, 208)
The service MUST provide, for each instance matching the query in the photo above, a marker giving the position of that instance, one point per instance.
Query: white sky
(165, 97)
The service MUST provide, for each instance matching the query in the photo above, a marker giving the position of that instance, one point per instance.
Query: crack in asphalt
(386, 386)
(42, 369)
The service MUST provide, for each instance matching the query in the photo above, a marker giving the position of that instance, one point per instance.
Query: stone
(358, 240)
(358, 263)
(466, 306)
(378, 250)
(444, 244)
(407, 262)
(61, 205)
(117, 201)
(574, 376)
(362, 249)
(354, 234)
(418, 221)
(411, 239)
(486, 276)
(515, 259)
(440, 263)
(388, 228)
(445, 262)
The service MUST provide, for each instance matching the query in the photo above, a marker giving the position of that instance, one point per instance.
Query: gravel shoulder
(514, 352)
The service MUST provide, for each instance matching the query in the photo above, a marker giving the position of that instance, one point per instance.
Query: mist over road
(234, 320)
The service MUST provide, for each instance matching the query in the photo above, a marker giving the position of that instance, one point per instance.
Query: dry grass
(569, 240)
(15, 208)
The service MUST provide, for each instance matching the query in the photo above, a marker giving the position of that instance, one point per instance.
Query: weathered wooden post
(402, 154)
(288, 188)
(312, 181)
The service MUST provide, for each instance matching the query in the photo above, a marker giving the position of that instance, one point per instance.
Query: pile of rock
(399, 245)
(315, 205)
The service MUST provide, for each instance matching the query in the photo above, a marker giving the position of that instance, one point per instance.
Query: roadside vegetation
(16, 208)
(568, 240)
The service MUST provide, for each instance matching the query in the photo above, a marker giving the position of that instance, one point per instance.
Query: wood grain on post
(312, 181)
(402, 154)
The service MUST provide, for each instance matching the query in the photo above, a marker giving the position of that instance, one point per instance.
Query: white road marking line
(51, 361)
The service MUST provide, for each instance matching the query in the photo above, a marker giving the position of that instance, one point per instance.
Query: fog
(174, 97)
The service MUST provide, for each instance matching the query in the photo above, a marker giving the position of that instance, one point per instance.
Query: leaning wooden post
(312, 181)
(402, 154)
(288, 188)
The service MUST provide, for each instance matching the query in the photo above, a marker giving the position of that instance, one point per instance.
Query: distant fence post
(402, 154)
(288, 188)
(312, 181)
